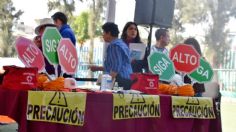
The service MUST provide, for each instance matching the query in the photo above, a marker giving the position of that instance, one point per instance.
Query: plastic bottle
(106, 82)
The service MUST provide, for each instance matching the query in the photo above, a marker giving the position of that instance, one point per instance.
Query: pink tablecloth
(98, 117)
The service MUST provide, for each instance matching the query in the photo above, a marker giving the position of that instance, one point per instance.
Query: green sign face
(50, 40)
(204, 72)
(160, 64)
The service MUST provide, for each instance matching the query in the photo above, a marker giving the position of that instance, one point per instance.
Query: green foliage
(80, 26)
(216, 14)
(88, 24)
(217, 35)
(8, 15)
(65, 6)
(191, 11)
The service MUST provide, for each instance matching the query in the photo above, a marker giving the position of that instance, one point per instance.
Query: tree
(80, 26)
(215, 14)
(66, 6)
(217, 36)
(186, 11)
(96, 8)
(8, 15)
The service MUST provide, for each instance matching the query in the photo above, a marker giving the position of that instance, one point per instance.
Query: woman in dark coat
(199, 88)
(130, 34)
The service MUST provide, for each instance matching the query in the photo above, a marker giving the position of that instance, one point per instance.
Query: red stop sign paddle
(29, 53)
(185, 58)
(67, 55)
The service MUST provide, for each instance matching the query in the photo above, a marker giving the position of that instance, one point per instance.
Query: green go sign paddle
(160, 64)
(204, 72)
(50, 40)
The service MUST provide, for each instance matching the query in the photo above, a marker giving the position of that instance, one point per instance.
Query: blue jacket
(118, 59)
(66, 32)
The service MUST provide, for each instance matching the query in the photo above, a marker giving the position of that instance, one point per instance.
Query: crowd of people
(117, 61)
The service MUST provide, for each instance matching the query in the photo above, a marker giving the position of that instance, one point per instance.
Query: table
(98, 117)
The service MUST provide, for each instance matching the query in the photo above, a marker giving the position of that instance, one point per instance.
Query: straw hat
(44, 22)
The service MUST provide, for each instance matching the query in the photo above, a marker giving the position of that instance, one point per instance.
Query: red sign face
(30, 54)
(67, 55)
(185, 58)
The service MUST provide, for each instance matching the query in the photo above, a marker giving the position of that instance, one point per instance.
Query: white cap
(44, 22)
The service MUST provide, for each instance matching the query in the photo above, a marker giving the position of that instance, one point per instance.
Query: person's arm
(37, 41)
(113, 75)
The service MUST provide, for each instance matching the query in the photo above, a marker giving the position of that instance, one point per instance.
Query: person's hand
(2, 70)
(37, 41)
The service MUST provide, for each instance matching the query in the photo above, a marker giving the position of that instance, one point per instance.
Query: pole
(111, 11)
(149, 40)
(151, 27)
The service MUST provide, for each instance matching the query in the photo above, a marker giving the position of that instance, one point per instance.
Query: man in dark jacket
(60, 20)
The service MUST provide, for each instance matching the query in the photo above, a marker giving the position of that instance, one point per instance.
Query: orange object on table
(167, 89)
(41, 79)
(54, 85)
(6, 120)
(185, 90)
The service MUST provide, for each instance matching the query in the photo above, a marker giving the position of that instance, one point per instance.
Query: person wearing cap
(60, 20)
(43, 23)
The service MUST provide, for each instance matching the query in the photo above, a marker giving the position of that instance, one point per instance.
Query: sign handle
(46, 73)
(56, 70)
(182, 75)
(62, 73)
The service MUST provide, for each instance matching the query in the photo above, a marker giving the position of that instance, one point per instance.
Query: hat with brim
(44, 22)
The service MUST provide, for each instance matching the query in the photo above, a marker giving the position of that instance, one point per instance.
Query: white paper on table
(137, 51)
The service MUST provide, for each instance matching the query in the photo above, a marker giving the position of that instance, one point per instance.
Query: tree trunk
(92, 33)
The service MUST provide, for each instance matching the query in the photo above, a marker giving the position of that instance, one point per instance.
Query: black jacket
(198, 87)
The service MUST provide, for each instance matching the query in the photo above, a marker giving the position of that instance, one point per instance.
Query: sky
(37, 9)
(33, 9)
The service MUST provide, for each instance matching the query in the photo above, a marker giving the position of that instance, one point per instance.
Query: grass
(228, 115)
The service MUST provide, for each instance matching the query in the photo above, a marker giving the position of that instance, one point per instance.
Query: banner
(127, 106)
(57, 107)
(192, 107)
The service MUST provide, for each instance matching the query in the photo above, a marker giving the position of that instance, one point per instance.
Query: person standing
(39, 30)
(117, 60)
(60, 20)
(130, 34)
(199, 88)
(162, 40)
